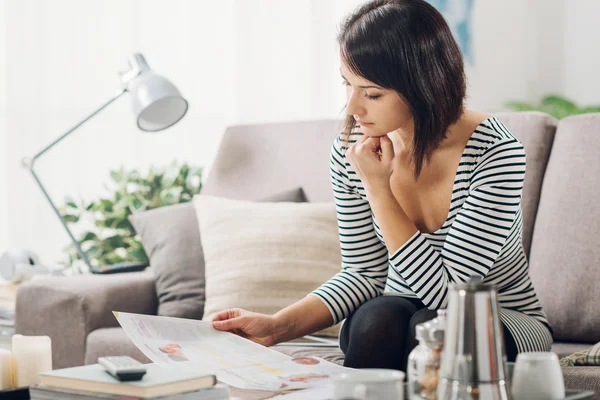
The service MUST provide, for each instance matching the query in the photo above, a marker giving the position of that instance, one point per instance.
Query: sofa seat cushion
(335, 355)
(111, 342)
(583, 378)
(563, 349)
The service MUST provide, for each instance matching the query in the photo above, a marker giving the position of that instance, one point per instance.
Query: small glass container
(424, 361)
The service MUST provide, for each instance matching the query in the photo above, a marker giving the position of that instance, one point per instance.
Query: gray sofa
(561, 206)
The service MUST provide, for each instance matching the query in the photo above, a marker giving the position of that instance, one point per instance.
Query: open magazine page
(234, 360)
(296, 373)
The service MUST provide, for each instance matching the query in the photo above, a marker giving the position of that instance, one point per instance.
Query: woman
(427, 193)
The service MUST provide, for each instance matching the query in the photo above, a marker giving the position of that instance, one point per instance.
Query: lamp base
(20, 264)
(120, 267)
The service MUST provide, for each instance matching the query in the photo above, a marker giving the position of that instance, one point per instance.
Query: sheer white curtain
(235, 61)
(3, 135)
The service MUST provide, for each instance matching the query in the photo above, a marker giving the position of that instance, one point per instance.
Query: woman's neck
(402, 138)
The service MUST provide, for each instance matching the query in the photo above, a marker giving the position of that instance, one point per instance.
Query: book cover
(158, 381)
(43, 392)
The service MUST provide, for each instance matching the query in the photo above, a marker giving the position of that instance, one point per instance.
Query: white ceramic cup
(369, 384)
(537, 376)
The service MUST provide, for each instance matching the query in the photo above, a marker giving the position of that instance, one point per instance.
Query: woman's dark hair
(407, 46)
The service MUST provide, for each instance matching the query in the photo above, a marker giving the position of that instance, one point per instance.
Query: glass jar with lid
(425, 359)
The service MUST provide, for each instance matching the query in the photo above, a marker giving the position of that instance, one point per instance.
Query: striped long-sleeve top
(481, 236)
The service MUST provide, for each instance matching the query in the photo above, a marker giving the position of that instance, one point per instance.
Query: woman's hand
(372, 159)
(260, 328)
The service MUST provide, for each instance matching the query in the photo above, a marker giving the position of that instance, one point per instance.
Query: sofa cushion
(583, 378)
(265, 256)
(268, 158)
(536, 131)
(565, 251)
(563, 349)
(111, 342)
(171, 239)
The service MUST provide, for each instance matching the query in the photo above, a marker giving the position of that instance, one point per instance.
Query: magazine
(236, 361)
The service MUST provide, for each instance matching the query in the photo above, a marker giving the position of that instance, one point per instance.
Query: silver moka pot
(473, 358)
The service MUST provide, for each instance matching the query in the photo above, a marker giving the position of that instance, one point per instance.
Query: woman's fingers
(227, 314)
(387, 149)
(229, 324)
(229, 320)
(372, 144)
(366, 146)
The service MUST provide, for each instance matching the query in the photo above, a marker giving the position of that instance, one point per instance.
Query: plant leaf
(520, 106)
(70, 218)
(559, 101)
(112, 238)
(89, 236)
(69, 202)
(590, 109)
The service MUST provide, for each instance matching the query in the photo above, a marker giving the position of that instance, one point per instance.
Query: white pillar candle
(31, 355)
(5, 369)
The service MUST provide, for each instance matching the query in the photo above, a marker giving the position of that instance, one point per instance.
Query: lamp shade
(156, 102)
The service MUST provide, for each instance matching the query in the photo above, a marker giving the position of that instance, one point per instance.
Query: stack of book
(93, 382)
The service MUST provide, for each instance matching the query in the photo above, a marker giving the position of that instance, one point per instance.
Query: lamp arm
(62, 220)
(29, 164)
(67, 133)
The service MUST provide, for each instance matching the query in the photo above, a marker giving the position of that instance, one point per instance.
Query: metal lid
(433, 330)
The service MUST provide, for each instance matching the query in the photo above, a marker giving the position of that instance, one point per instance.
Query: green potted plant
(105, 233)
(555, 105)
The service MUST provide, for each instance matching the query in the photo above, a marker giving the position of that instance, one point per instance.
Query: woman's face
(379, 111)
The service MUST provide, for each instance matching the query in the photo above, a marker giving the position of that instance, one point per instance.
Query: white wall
(525, 49)
(546, 47)
(500, 67)
(582, 51)
(287, 64)
(236, 61)
(3, 133)
(519, 51)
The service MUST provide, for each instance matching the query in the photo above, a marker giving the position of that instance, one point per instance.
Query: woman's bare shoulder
(475, 118)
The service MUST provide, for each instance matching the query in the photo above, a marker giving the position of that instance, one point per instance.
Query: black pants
(381, 333)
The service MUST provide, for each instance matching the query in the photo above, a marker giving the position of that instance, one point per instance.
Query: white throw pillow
(263, 257)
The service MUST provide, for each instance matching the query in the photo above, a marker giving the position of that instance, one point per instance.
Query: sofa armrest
(68, 308)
